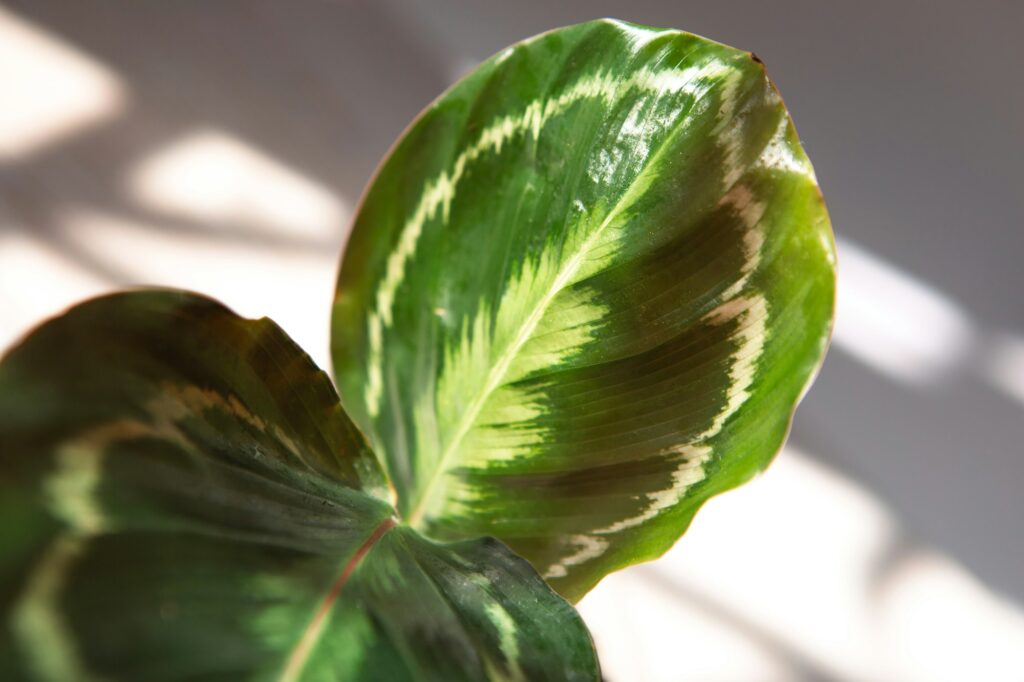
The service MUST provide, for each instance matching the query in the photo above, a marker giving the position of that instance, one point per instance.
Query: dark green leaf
(583, 294)
(183, 498)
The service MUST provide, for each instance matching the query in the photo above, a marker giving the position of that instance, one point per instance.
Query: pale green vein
(563, 278)
(440, 191)
(44, 638)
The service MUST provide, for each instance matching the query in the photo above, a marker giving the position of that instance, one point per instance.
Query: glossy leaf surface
(183, 498)
(583, 294)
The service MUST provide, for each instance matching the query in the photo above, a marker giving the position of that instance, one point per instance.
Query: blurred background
(221, 147)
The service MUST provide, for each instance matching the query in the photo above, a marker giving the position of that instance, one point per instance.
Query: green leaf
(184, 498)
(583, 294)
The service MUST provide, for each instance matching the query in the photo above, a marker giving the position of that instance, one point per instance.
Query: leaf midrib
(500, 368)
(305, 645)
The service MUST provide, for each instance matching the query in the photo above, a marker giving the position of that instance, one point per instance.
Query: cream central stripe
(564, 277)
(440, 191)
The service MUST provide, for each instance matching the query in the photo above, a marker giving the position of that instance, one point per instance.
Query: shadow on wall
(230, 141)
(159, 76)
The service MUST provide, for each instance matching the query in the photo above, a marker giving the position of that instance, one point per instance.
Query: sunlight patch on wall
(293, 287)
(37, 282)
(51, 90)
(894, 323)
(800, 571)
(211, 176)
(793, 555)
(643, 633)
(938, 623)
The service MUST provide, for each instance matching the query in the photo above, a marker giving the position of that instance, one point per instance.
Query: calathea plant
(583, 294)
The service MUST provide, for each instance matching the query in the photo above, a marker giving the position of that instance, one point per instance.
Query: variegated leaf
(583, 294)
(183, 498)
